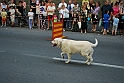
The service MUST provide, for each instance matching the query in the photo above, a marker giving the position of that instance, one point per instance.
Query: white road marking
(98, 64)
(77, 61)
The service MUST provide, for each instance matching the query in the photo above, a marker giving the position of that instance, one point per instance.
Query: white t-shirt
(64, 12)
(42, 9)
(60, 5)
(51, 8)
(12, 11)
(4, 6)
(31, 15)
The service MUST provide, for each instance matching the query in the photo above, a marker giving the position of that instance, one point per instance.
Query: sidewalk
(98, 29)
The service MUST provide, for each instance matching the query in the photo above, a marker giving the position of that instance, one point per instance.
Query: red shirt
(115, 10)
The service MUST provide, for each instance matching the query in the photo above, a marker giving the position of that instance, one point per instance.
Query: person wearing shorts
(50, 11)
(12, 15)
(106, 18)
(115, 25)
(4, 17)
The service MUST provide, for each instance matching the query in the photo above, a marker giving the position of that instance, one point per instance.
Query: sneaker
(63, 29)
(94, 30)
(101, 30)
(107, 30)
(4, 25)
(1, 25)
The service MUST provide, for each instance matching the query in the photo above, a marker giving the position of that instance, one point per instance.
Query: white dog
(70, 47)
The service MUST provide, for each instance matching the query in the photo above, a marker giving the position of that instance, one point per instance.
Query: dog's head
(57, 42)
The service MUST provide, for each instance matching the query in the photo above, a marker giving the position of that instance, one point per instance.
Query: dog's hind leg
(88, 58)
(69, 58)
(91, 58)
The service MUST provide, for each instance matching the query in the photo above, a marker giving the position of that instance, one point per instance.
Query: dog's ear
(59, 41)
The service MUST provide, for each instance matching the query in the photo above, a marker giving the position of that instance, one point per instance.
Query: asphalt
(26, 56)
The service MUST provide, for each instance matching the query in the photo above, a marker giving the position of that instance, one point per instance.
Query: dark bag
(122, 16)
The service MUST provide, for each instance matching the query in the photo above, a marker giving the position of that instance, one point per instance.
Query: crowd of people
(75, 16)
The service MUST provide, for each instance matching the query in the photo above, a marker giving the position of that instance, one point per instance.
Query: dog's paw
(67, 62)
(88, 63)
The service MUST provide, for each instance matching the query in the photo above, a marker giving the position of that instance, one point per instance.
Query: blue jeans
(106, 25)
(30, 23)
(69, 22)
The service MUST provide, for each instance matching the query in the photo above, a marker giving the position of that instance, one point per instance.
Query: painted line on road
(76, 61)
(93, 63)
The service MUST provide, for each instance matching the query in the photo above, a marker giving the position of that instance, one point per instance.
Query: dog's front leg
(62, 53)
(69, 58)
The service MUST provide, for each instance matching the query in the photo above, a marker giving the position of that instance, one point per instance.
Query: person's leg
(5, 23)
(29, 23)
(12, 20)
(104, 31)
(48, 22)
(92, 27)
(85, 27)
(95, 27)
(81, 30)
(115, 30)
(70, 22)
(67, 24)
(64, 24)
(2, 23)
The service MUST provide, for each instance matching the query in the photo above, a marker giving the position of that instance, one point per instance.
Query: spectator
(121, 4)
(121, 21)
(106, 18)
(30, 15)
(63, 12)
(75, 27)
(49, 2)
(33, 7)
(75, 1)
(91, 5)
(62, 3)
(4, 17)
(24, 7)
(75, 8)
(19, 10)
(12, 15)
(10, 3)
(0, 13)
(70, 8)
(95, 15)
(104, 8)
(4, 5)
(115, 9)
(42, 15)
(115, 25)
(83, 17)
(50, 11)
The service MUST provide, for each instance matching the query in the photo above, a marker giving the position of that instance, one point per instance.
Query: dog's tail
(94, 45)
